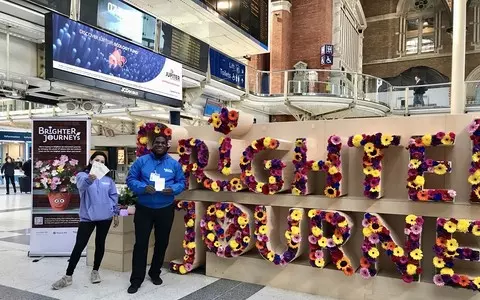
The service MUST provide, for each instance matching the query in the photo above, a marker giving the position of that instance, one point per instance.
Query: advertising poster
(79, 49)
(60, 150)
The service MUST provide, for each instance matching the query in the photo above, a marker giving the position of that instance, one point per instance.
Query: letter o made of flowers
(264, 223)
(227, 229)
(192, 238)
(319, 241)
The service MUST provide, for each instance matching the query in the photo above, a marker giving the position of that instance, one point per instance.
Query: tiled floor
(22, 278)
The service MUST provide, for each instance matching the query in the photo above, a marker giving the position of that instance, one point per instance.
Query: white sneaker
(95, 277)
(64, 282)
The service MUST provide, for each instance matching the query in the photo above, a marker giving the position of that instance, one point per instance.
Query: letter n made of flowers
(419, 165)
(319, 241)
(267, 234)
(373, 146)
(192, 241)
(376, 231)
(227, 229)
(332, 166)
(447, 249)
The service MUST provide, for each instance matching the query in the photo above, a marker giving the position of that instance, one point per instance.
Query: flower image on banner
(407, 260)
(447, 249)
(274, 166)
(146, 134)
(319, 240)
(474, 178)
(192, 241)
(225, 121)
(419, 165)
(372, 159)
(227, 229)
(264, 223)
(332, 167)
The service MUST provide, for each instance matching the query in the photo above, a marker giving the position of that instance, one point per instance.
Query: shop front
(18, 146)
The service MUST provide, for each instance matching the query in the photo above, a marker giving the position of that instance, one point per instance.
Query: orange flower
(364, 262)
(464, 281)
(312, 255)
(391, 246)
(273, 144)
(206, 184)
(233, 115)
(422, 195)
(348, 271)
(441, 242)
(259, 245)
(329, 217)
(167, 131)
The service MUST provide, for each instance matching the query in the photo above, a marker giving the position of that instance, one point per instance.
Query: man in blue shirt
(155, 178)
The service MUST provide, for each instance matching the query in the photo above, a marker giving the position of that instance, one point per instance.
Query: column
(280, 44)
(458, 57)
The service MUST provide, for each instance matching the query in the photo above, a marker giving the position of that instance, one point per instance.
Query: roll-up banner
(60, 149)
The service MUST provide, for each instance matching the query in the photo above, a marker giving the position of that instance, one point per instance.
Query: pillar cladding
(312, 27)
(280, 44)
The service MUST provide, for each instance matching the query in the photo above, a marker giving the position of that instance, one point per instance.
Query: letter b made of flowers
(419, 165)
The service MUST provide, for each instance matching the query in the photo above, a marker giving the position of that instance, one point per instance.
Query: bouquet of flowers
(57, 175)
(225, 121)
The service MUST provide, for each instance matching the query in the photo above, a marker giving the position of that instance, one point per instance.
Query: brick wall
(380, 40)
(280, 45)
(373, 8)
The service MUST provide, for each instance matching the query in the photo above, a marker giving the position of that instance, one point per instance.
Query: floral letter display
(372, 159)
(146, 132)
(319, 242)
(275, 167)
(419, 165)
(194, 247)
(332, 166)
(227, 229)
(474, 178)
(407, 260)
(231, 121)
(447, 249)
(267, 243)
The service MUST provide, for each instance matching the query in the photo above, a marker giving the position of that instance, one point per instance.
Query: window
(420, 35)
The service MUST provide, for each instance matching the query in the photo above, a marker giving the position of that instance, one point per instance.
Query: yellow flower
(419, 181)
(315, 166)
(369, 147)
(295, 230)
(60, 169)
(259, 187)
(194, 166)
(438, 262)
(440, 169)
(254, 145)
(357, 139)
(216, 188)
(217, 244)
(242, 220)
(182, 270)
(411, 219)
(220, 214)
(263, 229)
(322, 242)
(447, 140)
(320, 263)
(210, 225)
(312, 213)
(373, 253)
(248, 173)
(476, 281)
(427, 140)
(143, 140)
(447, 271)
(266, 142)
(295, 191)
(450, 227)
(233, 243)
(316, 231)
(296, 215)
(416, 254)
(462, 225)
(330, 192)
(367, 232)
(375, 173)
(299, 143)
(343, 224)
(190, 223)
(398, 251)
(268, 164)
(337, 239)
(157, 129)
(192, 142)
(215, 116)
(415, 163)
(386, 140)
(332, 170)
(270, 255)
(476, 230)
(272, 180)
(411, 269)
(246, 239)
(226, 171)
(452, 245)
(211, 237)
(191, 245)
(368, 170)
(473, 180)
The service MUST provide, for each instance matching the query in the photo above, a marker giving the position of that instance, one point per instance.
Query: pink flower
(407, 231)
(437, 279)
(63, 158)
(38, 164)
(452, 193)
(283, 263)
(74, 162)
(330, 243)
(188, 267)
(365, 273)
(296, 238)
(472, 127)
(416, 229)
(56, 163)
(365, 223)
(374, 239)
(441, 222)
(319, 254)
(335, 140)
(53, 187)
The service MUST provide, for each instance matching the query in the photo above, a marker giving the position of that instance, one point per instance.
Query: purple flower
(403, 260)
(472, 127)
(335, 140)
(330, 243)
(374, 239)
(296, 239)
(365, 273)
(365, 223)
(437, 279)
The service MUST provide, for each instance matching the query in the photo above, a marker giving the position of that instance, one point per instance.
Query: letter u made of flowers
(373, 146)
(332, 166)
(192, 241)
(419, 165)
(319, 241)
(275, 167)
(227, 229)
(408, 260)
(474, 178)
(446, 250)
(267, 234)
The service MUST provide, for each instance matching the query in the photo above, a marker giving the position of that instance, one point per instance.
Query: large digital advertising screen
(79, 53)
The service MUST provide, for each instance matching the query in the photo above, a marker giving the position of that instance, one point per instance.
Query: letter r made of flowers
(192, 241)
(447, 249)
(332, 166)
(407, 260)
(419, 165)
(373, 146)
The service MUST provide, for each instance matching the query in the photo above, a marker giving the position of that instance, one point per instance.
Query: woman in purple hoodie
(98, 206)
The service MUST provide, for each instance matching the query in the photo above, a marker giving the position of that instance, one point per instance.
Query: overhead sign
(183, 47)
(250, 16)
(227, 69)
(15, 136)
(81, 54)
(62, 6)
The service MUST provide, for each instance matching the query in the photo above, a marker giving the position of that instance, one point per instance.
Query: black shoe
(133, 289)
(156, 280)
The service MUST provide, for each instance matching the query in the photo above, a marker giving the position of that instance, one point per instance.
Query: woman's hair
(89, 166)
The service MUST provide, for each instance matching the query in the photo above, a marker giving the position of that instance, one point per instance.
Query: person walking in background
(8, 170)
(156, 178)
(98, 206)
(418, 92)
(27, 168)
